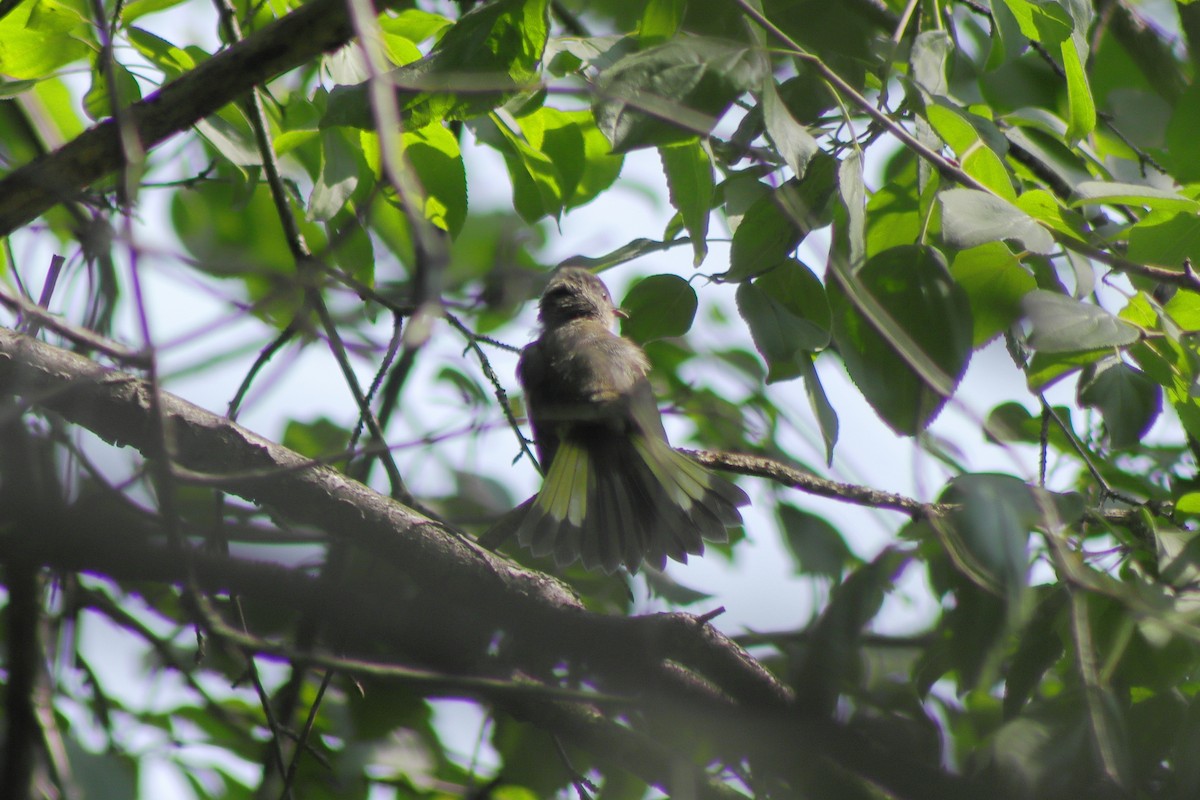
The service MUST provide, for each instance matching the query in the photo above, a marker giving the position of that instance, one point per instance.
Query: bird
(614, 491)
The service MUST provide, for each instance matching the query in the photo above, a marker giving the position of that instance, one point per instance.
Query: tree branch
(316, 27)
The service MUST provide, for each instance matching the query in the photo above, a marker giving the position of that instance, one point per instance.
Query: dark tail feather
(613, 501)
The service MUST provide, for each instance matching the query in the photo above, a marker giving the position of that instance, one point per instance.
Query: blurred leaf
(675, 593)
(792, 140)
(995, 281)
(1102, 192)
(832, 660)
(317, 439)
(1128, 400)
(39, 36)
(1061, 324)
(994, 517)
(97, 103)
(778, 221)
(671, 92)
(338, 178)
(788, 315)
(659, 306)
(817, 547)
(971, 218)
(660, 20)
(912, 287)
(823, 410)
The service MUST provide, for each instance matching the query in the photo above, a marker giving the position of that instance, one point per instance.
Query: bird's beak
(622, 313)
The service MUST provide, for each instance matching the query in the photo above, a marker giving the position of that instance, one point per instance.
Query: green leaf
(96, 103)
(930, 52)
(627, 252)
(433, 152)
(995, 282)
(1128, 400)
(673, 91)
(778, 221)
(792, 140)
(788, 315)
(818, 401)
(1011, 422)
(690, 187)
(39, 36)
(904, 329)
(1046, 368)
(1131, 194)
(659, 306)
(1081, 117)
(1046, 209)
(536, 182)
(1060, 324)
(576, 147)
(816, 546)
(853, 192)
(492, 52)
(317, 439)
(1180, 153)
(660, 20)
(338, 178)
(971, 217)
(1165, 240)
(414, 24)
(140, 8)
(172, 60)
(993, 518)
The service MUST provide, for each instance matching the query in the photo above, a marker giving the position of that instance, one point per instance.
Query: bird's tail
(627, 500)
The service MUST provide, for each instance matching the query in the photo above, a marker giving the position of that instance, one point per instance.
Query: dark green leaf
(823, 410)
(817, 547)
(317, 439)
(777, 222)
(788, 316)
(659, 307)
(1128, 400)
(904, 334)
(994, 517)
(626, 252)
(673, 91)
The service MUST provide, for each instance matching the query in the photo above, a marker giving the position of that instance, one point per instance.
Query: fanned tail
(611, 501)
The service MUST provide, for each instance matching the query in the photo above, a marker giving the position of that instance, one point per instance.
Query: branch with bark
(435, 605)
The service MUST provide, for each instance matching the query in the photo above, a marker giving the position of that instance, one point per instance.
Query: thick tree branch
(317, 27)
(430, 597)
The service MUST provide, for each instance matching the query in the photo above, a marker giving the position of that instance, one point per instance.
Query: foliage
(891, 188)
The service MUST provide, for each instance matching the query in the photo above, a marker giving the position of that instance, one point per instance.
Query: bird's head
(575, 293)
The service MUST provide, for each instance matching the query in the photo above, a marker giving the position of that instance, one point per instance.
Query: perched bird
(614, 490)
